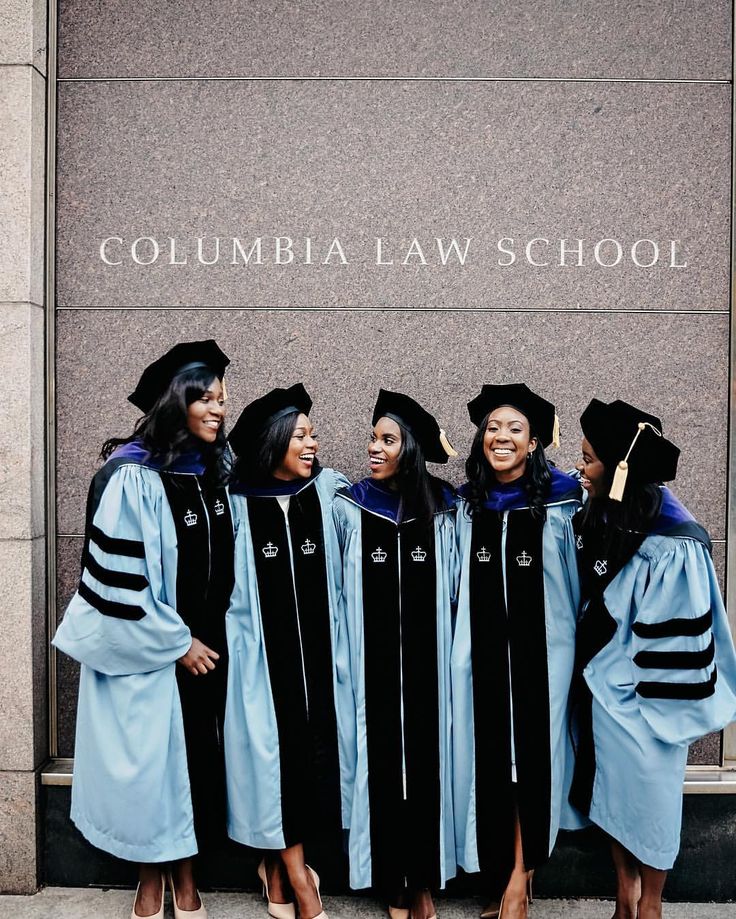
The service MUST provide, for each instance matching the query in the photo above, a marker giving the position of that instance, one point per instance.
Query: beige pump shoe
(200, 913)
(315, 878)
(276, 910)
(159, 914)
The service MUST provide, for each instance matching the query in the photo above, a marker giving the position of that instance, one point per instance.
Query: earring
(529, 455)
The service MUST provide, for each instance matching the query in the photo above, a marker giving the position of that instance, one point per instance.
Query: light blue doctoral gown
(553, 753)
(130, 794)
(662, 601)
(354, 727)
(252, 753)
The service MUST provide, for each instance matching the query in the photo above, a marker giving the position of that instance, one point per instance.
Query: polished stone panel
(678, 368)
(547, 38)
(21, 434)
(361, 161)
(23, 34)
(68, 561)
(18, 825)
(22, 152)
(22, 647)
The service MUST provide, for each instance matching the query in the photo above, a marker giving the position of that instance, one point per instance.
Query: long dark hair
(635, 513)
(481, 477)
(421, 494)
(256, 466)
(163, 430)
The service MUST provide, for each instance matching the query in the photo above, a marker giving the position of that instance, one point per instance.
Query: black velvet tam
(264, 411)
(611, 427)
(416, 419)
(157, 377)
(538, 411)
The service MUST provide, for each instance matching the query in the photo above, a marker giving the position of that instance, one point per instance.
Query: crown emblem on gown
(483, 554)
(523, 560)
(270, 551)
(189, 518)
(219, 508)
(379, 555)
(308, 547)
(419, 554)
(579, 541)
(601, 566)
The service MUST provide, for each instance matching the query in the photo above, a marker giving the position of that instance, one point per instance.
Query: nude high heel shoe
(160, 913)
(315, 878)
(398, 912)
(199, 913)
(276, 910)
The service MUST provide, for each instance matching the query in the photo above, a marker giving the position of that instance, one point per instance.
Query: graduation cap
(540, 413)
(428, 434)
(187, 355)
(630, 440)
(262, 413)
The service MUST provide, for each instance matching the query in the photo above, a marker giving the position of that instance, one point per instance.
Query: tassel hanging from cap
(224, 390)
(622, 469)
(446, 445)
(556, 432)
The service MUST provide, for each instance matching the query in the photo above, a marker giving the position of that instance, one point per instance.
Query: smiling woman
(513, 647)
(147, 625)
(281, 738)
(396, 531)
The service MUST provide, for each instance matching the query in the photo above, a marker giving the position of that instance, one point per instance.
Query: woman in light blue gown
(147, 624)
(283, 752)
(656, 666)
(396, 531)
(514, 646)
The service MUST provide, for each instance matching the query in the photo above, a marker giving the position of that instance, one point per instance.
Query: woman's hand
(199, 658)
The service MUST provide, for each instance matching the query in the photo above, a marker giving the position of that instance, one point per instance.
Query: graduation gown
(156, 570)
(281, 742)
(512, 662)
(396, 608)
(658, 661)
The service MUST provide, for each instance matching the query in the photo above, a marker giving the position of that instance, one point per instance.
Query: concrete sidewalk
(77, 903)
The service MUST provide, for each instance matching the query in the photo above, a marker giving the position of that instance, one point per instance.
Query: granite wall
(23, 697)
(417, 195)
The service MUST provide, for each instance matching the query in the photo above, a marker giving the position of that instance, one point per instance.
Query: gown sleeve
(345, 704)
(684, 667)
(118, 622)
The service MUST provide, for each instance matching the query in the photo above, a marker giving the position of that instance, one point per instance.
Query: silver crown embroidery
(219, 508)
(483, 555)
(579, 541)
(419, 554)
(601, 566)
(523, 560)
(379, 555)
(270, 551)
(189, 518)
(308, 547)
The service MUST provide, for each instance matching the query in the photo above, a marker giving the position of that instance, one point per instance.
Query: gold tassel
(622, 470)
(556, 432)
(447, 446)
(619, 481)
(224, 390)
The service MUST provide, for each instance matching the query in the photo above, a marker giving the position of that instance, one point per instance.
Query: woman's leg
(148, 899)
(515, 898)
(652, 884)
(279, 890)
(422, 906)
(628, 882)
(302, 883)
(182, 874)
